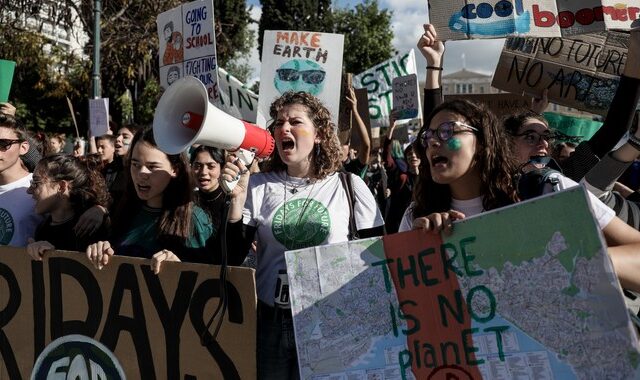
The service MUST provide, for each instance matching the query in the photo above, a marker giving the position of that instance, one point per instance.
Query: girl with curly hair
(299, 201)
(64, 187)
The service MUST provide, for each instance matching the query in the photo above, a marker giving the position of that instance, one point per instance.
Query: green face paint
(454, 144)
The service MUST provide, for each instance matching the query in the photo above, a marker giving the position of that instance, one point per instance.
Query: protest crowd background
(363, 146)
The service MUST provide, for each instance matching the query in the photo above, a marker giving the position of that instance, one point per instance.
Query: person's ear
(63, 187)
(24, 147)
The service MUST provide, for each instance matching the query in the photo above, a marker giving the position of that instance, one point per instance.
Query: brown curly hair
(328, 160)
(494, 157)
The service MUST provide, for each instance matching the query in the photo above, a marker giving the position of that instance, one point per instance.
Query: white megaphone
(184, 116)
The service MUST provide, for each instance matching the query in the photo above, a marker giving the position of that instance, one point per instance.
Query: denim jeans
(276, 345)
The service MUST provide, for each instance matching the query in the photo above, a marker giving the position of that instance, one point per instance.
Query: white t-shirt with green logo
(18, 219)
(307, 214)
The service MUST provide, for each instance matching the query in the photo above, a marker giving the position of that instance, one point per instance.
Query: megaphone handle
(246, 156)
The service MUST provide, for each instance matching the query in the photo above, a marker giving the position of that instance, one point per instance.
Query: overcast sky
(408, 17)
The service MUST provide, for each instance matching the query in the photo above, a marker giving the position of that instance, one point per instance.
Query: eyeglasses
(308, 76)
(534, 138)
(5, 144)
(444, 131)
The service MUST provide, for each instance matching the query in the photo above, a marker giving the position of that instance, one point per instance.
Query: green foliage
(368, 35)
(308, 15)
(126, 106)
(146, 105)
(234, 39)
(45, 75)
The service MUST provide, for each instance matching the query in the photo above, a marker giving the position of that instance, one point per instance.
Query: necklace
(295, 187)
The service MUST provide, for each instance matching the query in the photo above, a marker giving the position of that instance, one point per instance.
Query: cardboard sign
(188, 45)
(499, 104)
(406, 97)
(574, 129)
(363, 111)
(98, 116)
(378, 81)
(344, 119)
(582, 73)
(148, 325)
(526, 291)
(235, 98)
(300, 61)
(469, 19)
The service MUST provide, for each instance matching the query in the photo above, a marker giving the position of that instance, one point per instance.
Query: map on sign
(505, 296)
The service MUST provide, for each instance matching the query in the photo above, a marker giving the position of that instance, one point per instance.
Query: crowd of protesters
(128, 197)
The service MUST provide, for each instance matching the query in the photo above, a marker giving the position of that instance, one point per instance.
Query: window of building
(482, 89)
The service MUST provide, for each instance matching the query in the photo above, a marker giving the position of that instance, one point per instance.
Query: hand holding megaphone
(185, 117)
(236, 173)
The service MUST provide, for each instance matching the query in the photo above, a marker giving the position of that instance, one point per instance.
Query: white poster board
(300, 61)
(406, 97)
(378, 81)
(235, 98)
(188, 46)
(471, 19)
(98, 116)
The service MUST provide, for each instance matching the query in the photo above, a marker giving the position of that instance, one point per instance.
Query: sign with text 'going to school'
(378, 81)
(469, 19)
(526, 291)
(74, 321)
(188, 45)
(300, 61)
(581, 72)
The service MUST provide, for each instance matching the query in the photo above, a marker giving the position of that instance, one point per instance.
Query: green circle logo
(301, 223)
(77, 356)
(7, 227)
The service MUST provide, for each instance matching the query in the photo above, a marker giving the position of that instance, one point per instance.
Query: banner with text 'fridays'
(122, 321)
(471, 19)
(581, 72)
(526, 291)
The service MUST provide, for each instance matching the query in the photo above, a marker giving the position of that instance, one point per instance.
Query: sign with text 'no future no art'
(188, 45)
(527, 291)
(469, 19)
(123, 320)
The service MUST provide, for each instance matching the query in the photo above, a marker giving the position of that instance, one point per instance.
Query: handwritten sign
(582, 73)
(406, 97)
(500, 104)
(412, 305)
(98, 116)
(235, 98)
(300, 61)
(149, 326)
(378, 81)
(470, 19)
(188, 46)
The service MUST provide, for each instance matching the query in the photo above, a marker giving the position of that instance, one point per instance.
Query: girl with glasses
(63, 188)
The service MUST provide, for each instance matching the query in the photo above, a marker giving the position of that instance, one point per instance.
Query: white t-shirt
(471, 207)
(18, 219)
(313, 214)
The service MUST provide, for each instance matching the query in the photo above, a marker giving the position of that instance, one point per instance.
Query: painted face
(151, 173)
(206, 171)
(123, 141)
(55, 145)
(532, 140)
(106, 150)
(300, 75)
(448, 165)
(11, 149)
(44, 192)
(295, 136)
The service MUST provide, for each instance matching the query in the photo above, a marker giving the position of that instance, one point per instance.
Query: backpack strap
(345, 178)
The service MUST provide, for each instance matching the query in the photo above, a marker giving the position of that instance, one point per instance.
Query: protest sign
(581, 73)
(499, 104)
(406, 97)
(6, 78)
(188, 45)
(344, 118)
(363, 111)
(468, 19)
(526, 291)
(300, 61)
(122, 319)
(378, 81)
(573, 128)
(98, 116)
(235, 98)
